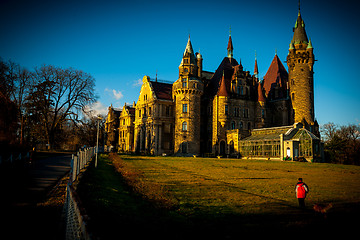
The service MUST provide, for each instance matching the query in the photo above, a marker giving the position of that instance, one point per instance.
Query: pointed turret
(300, 61)
(187, 91)
(188, 65)
(230, 48)
(261, 98)
(299, 31)
(256, 70)
(188, 47)
(309, 45)
(189, 53)
(222, 88)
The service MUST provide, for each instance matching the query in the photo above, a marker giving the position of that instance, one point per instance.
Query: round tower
(187, 91)
(300, 61)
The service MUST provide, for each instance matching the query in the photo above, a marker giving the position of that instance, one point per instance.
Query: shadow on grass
(117, 211)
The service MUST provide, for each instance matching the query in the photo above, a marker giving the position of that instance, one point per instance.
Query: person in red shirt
(301, 190)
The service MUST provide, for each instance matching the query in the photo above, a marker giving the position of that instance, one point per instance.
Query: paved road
(22, 187)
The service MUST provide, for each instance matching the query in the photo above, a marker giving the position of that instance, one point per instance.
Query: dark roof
(226, 67)
(162, 90)
(130, 109)
(275, 76)
(299, 31)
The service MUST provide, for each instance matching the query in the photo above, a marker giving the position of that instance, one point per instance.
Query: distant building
(227, 112)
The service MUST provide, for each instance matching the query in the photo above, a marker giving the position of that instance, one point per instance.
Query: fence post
(71, 169)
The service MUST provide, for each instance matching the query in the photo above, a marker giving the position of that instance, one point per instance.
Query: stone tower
(300, 61)
(187, 91)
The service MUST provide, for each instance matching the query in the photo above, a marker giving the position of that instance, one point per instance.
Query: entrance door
(288, 152)
(222, 148)
(296, 152)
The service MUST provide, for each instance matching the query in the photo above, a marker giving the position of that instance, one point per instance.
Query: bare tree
(329, 130)
(59, 95)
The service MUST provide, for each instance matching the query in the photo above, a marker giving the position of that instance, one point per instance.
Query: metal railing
(75, 216)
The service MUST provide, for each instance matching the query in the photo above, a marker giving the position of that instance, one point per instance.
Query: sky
(118, 42)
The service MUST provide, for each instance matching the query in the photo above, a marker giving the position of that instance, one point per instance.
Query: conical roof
(189, 47)
(275, 76)
(256, 70)
(222, 88)
(230, 45)
(230, 48)
(299, 31)
(189, 51)
(261, 97)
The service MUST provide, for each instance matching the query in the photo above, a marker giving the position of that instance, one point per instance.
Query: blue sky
(118, 42)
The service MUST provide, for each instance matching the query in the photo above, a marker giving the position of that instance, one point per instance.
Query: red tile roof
(261, 97)
(230, 45)
(222, 88)
(256, 70)
(275, 76)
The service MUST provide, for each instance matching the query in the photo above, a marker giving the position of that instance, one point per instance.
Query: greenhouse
(285, 143)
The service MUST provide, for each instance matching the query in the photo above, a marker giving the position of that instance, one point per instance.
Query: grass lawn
(223, 197)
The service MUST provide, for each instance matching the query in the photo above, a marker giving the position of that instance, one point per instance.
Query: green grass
(219, 197)
(248, 186)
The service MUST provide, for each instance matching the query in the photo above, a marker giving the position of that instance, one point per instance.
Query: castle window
(241, 125)
(149, 111)
(246, 112)
(167, 111)
(184, 126)
(293, 96)
(226, 109)
(185, 108)
(186, 61)
(184, 82)
(186, 70)
(232, 125)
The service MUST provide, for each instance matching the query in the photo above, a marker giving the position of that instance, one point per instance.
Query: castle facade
(226, 112)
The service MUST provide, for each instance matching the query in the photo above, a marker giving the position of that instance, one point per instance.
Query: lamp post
(97, 141)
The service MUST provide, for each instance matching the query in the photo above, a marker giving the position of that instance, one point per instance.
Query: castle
(229, 112)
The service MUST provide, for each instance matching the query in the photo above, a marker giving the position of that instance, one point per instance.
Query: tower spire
(256, 70)
(230, 47)
(299, 30)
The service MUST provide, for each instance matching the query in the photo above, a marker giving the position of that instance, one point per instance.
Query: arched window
(241, 125)
(232, 125)
(184, 126)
